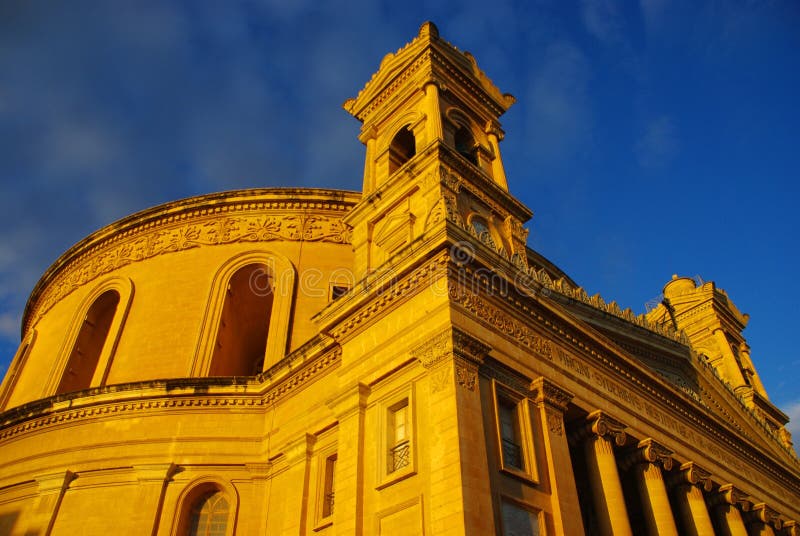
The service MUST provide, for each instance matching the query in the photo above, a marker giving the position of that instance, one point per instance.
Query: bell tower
(430, 125)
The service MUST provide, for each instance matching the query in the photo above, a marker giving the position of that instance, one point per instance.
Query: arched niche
(245, 328)
(87, 354)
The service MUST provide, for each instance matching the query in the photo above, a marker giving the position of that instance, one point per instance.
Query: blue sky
(649, 138)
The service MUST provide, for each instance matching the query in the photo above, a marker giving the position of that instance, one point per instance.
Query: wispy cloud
(793, 411)
(659, 143)
(603, 19)
(558, 114)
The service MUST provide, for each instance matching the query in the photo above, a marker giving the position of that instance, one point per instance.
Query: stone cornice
(185, 394)
(609, 361)
(259, 215)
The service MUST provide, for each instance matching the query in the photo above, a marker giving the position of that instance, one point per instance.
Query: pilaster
(52, 487)
(298, 460)
(462, 498)
(153, 480)
(551, 403)
(349, 408)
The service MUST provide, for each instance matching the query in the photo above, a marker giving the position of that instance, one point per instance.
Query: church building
(394, 362)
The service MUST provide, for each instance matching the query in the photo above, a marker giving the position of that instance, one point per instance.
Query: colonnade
(672, 498)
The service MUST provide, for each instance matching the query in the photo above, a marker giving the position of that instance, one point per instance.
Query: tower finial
(428, 29)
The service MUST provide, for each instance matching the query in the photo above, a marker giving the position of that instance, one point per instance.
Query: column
(51, 492)
(433, 112)
(726, 506)
(459, 477)
(762, 520)
(790, 528)
(689, 484)
(349, 408)
(153, 479)
(598, 437)
(551, 403)
(646, 462)
(494, 134)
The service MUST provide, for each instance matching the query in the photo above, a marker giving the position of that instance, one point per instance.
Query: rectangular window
(514, 434)
(518, 521)
(511, 444)
(328, 487)
(397, 439)
(399, 444)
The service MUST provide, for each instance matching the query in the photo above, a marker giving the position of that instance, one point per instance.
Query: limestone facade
(392, 362)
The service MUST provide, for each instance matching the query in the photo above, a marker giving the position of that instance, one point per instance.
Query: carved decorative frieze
(175, 233)
(466, 375)
(481, 309)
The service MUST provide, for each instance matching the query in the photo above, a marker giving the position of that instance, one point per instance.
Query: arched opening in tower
(402, 148)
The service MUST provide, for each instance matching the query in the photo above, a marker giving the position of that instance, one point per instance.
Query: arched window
(209, 515)
(465, 144)
(402, 148)
(89, 343)
(244, 323)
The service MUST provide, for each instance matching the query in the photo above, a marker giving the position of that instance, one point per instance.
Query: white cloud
(793, 411)
(659, 143)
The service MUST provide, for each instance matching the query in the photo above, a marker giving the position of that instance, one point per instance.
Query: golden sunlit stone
(394, 362)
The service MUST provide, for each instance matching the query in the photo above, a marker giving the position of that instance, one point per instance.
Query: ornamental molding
(217, 225)
(493, 317)
(244, 402)
(448, 344)
(394, 291)
(545, 391)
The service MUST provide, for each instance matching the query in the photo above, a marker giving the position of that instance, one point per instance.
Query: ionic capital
(762, 513)
(547, 392)
(728, 494)
(600, 424)
(493, 128)
(649, 451)
(693, 475)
